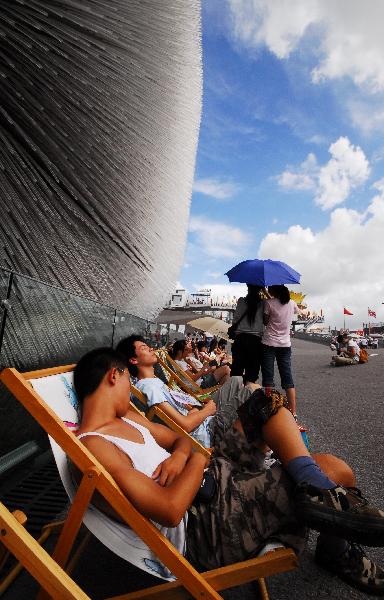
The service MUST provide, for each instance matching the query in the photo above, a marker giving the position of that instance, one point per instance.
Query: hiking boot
(340, 511)
(354, 567)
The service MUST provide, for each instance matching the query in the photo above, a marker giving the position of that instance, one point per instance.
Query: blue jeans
(283, 359)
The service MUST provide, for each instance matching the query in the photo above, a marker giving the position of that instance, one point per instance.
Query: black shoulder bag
(232, 329)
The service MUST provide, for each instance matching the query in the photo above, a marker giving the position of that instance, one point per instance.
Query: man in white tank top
(150, 461)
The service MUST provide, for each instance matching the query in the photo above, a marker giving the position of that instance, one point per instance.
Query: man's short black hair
(126, 348)
(91, 369)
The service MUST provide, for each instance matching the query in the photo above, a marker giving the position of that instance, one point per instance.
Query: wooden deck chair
(51, 411)
(4, 551)
(181, 377)
(175, 382)
(35, 559)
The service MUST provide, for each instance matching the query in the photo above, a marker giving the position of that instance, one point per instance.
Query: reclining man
(207, 424)
(249, 506)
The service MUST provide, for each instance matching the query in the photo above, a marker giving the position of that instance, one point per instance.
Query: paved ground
(344, 409)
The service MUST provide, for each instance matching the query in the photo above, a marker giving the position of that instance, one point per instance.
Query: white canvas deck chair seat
(51, 402)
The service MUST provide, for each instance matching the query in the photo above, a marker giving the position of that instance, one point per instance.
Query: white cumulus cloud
(302, 178)
(215, 238)
(350, 36)
(216, 188)
(347, 169)
(340, 265)
(333, 182)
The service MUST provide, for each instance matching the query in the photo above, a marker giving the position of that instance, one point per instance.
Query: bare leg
(336, 469)
(291, 397)
(253, 386)
(283, 436)
(222, 374)
(341, 361)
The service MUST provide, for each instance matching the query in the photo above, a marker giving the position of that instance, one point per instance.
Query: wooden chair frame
(36, 560)
(95, 477)
(182, 378)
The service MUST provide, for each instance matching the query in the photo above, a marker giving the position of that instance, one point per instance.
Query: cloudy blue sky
(290, 162)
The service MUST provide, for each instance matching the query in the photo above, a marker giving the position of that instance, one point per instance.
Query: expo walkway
(344, 409)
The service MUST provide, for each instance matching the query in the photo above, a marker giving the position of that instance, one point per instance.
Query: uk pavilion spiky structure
(100, 105)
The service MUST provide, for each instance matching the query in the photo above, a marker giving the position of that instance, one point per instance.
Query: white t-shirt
(353, 344)
(185, 366)
(277, 330)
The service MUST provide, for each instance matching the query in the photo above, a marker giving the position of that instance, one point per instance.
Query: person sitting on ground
(341, 346)
(207, 423)
(374, 343)
(363, 342)
(247, 505)
(350, 355)
(207, 375)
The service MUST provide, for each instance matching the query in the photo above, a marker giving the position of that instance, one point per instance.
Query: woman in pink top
(276, 341)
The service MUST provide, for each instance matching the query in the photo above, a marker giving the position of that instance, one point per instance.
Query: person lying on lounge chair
(206, 375)
(248, 506)
(207, 423)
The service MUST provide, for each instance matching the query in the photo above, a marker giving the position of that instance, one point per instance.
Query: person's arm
(171, 501)
(192, 364)
(203, 371)
(239, 310)
(193, 419)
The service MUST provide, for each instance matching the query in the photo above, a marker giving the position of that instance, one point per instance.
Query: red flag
(371, 313)
(347, 312)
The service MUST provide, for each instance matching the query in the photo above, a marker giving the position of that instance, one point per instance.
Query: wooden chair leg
(4, 554)
(71, 564)
(36, 560)
(73, 521)
(263, 589)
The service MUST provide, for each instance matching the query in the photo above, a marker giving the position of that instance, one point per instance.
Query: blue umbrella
(263, 272)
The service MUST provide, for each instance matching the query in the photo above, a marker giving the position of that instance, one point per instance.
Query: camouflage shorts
(252, 505)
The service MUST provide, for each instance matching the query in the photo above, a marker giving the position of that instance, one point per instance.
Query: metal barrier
(42, 325)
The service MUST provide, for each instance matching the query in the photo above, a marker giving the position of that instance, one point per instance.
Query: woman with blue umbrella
(247, 325)
(279, 311)
(248, 330)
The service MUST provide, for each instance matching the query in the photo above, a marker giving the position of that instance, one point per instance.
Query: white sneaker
(270, 547)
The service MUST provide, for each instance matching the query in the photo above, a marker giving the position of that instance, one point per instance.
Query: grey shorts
(208, 381)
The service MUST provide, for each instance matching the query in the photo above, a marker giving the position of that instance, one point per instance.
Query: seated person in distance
(149, 461)
(350, 355)
(207, 375)
(207, 423)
